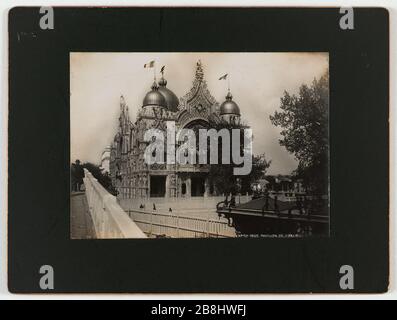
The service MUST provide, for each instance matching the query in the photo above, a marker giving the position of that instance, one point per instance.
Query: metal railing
(110, 220)
(179, 226)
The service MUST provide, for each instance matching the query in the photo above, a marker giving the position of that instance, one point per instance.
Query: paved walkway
(201, 207)
(81, 225)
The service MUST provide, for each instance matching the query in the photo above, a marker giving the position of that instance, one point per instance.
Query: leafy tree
(304, 123)
(103, 178)
(259, 168)
(222, 175)
(77, 174)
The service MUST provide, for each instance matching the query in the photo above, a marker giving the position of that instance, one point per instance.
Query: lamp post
(238, 181)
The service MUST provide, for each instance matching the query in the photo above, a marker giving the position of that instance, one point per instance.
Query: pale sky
(257, 81)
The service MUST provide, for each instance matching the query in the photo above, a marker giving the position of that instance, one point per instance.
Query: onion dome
(162, 82)
(154, 97)
(172, 101)
(229, 106)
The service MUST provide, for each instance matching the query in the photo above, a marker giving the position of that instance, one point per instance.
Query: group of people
(232, 202)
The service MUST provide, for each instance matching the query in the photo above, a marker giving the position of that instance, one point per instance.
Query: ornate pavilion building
(134, 178)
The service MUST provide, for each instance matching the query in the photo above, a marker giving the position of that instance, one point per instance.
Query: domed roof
(229, 106)
(162, 82)
(172, 101)
(154, 97)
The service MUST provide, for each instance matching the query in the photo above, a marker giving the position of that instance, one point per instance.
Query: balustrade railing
(110, 220)
(179, 226)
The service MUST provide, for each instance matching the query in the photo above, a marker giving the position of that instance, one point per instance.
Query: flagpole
(154, 70)
(226, 77)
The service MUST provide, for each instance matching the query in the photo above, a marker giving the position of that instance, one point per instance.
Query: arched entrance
(198, 185)
(157, 186)
(183, 189)
(195, 125)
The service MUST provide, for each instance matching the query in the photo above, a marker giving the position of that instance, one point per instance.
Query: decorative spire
(199, 71)
(122, 103)
(154, 85)
(122, 100)
(229, 96)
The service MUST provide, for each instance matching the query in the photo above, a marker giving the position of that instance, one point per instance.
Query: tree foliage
(303, 120)
(222, 175)
(103, 178)
(77, 174)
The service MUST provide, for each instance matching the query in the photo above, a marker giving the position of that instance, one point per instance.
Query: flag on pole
(162, 69)
(149, 65)
(223, 77)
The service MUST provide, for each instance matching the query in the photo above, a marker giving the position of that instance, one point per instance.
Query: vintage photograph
(199, 145)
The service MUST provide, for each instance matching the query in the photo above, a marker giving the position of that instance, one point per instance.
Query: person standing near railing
(77, 173)
(232, 201)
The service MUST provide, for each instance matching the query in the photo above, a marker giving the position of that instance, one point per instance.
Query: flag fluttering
(225, 77)
(162, 69)
(149, 65)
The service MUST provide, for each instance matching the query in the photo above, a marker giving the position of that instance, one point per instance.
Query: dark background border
(38, 199)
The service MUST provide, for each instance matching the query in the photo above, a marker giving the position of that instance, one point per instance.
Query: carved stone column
(167, 186)
(207, 191)
(188, 187)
